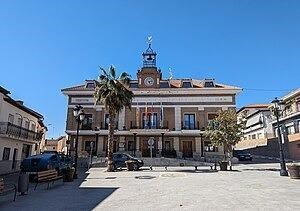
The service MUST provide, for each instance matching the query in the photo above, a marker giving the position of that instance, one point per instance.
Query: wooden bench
(6, 188)
(47, 176)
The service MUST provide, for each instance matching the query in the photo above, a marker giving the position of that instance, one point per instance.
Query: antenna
(170, 73)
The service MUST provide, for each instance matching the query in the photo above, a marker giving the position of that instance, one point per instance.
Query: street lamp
(275, 108)
(79, 116)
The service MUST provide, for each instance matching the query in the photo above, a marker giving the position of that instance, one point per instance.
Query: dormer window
(209, 83)
(186, 84)
(90, 85)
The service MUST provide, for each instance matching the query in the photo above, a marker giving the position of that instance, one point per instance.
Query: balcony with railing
(17, 132)
(149, 125)
(190, 125)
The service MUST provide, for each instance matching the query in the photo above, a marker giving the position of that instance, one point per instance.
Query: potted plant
(129, 165)
(225, 130)
(223, 165)
(68, 174)
(294, 170)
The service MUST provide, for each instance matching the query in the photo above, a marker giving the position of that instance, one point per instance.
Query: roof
(290, 95)
(168, 83)
(4, 91)
(22, 107)
(263, 106)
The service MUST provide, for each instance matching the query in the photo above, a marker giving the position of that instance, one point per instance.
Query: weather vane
(149, 39)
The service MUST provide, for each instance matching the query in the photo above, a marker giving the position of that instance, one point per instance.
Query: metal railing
(15, 131)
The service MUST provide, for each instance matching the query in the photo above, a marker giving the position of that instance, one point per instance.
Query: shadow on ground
(67, 196)
(262, 169)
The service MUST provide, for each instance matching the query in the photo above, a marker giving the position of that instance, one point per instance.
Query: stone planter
(223, 165)
(129, 165)
(294, 171)
(68, 174)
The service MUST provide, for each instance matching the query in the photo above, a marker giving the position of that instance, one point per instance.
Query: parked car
(242, 156)
(119, 160)
(46, 161)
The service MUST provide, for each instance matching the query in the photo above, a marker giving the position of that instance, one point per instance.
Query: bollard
(215, 165)
(166, 168)
(150, 168)
(196, 168)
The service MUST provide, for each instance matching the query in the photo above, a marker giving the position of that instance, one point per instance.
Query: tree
(114, 93)
(225, 130)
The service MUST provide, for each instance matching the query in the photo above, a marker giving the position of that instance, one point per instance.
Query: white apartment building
(21, 132)
(258, 128)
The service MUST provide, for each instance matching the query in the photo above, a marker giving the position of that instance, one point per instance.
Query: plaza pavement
(248, 187)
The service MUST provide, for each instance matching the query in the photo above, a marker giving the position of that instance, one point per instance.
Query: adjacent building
(21, 132)
(58, 145)
(171, 112)
(260, 134)
(290, 124)
(258, 137)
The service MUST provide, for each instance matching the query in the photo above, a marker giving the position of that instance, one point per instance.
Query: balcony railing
(190, 126)
(15, 131)
(158, 126)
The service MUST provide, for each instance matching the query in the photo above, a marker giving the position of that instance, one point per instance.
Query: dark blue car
(44, 162)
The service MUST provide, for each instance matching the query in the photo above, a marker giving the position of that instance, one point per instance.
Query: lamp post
(162, 145)
(134, 143)
(276, 111)
(79, 116)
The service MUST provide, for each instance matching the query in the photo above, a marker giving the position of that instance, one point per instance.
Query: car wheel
(135, 167)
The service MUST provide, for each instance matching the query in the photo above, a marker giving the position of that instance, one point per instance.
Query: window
(32, 127)
(189, 121)
(106, 121)
(19, 121)
(253, 136)
(249, 136)
(130, 146)
(87, 146)
(90, 85)
(87, 122)
(11, 118)
(149, 120)
(186, 84)
(209, 83)
(167, 145)
(245, 137)
(290, 130)
(259, 136)
(26, 124)
(211, 117)
(6, 153)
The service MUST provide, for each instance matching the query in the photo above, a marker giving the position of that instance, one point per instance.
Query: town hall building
(172, 112)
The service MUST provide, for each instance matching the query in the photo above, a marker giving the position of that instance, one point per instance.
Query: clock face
(149, 81)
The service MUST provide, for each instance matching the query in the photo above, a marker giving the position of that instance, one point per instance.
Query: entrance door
(14, 162)
(187, 149)
(146, 149)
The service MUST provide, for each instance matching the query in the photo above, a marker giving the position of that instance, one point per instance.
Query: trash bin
(23, 183)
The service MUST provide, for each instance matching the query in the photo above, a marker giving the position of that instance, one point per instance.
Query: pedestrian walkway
(248, 187)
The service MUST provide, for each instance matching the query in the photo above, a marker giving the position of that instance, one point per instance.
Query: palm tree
(114, 93)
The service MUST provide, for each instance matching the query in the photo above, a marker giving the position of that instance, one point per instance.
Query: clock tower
(149, 76)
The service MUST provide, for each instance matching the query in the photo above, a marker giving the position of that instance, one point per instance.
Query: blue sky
(49, 45)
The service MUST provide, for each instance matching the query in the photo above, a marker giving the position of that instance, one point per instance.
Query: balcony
(165, 126)
(17, 132)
